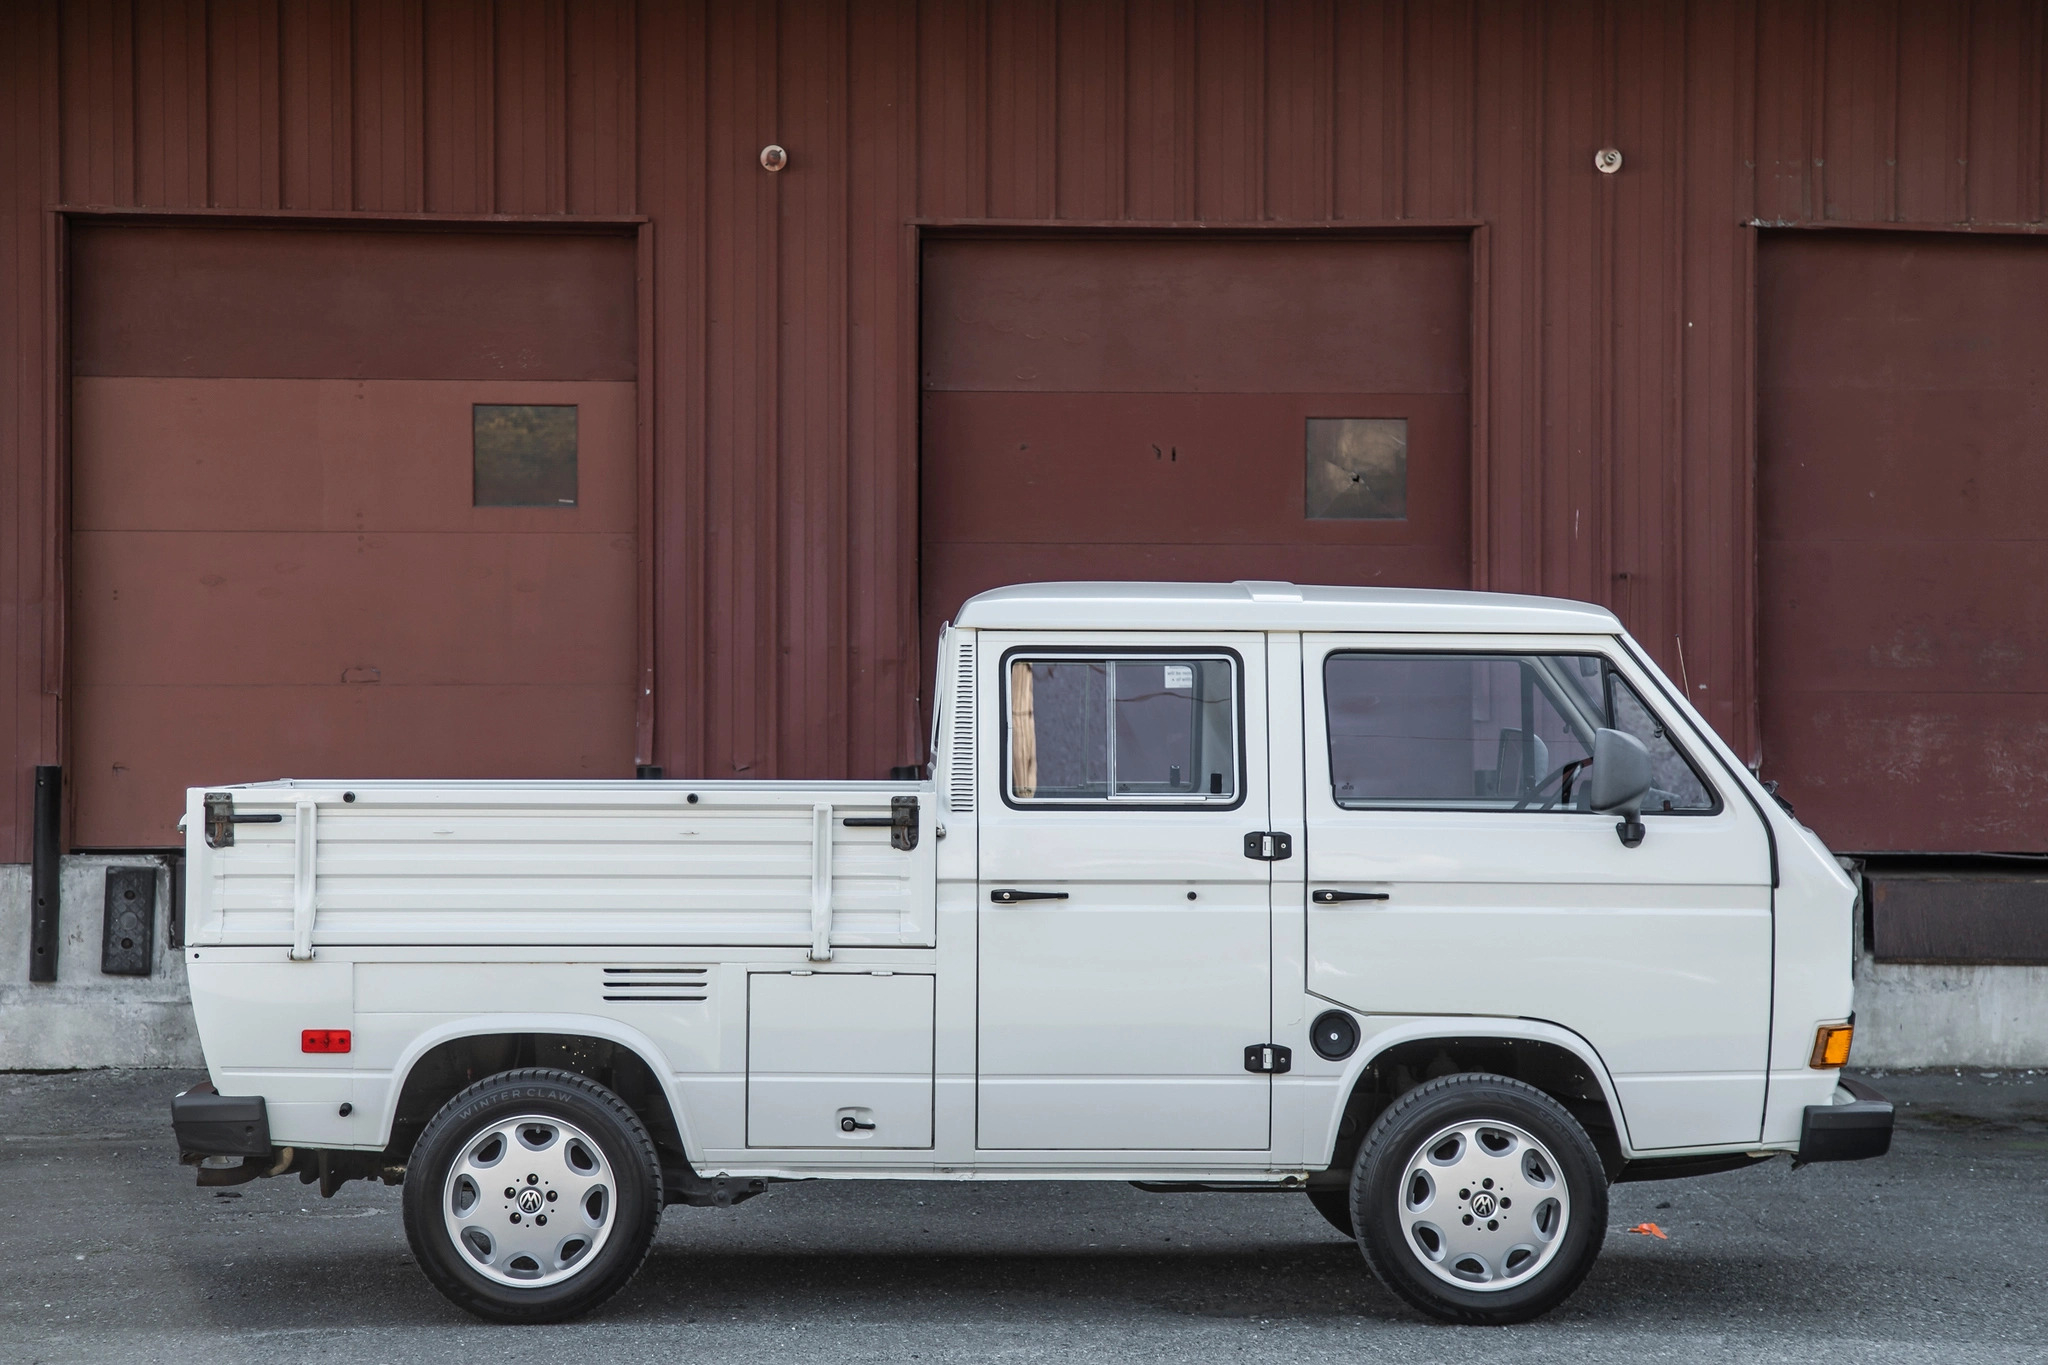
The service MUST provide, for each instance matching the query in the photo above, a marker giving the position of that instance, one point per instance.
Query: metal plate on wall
(1357, 468)
(1949, 918)
(128, 947)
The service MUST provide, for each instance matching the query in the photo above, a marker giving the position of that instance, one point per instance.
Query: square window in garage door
(525, 454)
(1357, 468)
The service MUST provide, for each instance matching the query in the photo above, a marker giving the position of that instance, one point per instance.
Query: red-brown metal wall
(1613, 330)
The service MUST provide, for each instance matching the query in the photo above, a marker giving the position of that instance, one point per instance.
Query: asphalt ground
(1935, 1253)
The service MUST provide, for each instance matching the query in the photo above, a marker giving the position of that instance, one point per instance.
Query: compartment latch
(901, 822)
(221, 819)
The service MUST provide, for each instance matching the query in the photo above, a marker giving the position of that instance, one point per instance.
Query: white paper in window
(1179, 676)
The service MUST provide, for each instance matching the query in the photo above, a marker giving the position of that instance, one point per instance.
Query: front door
(1125, 945)
(1454, 869)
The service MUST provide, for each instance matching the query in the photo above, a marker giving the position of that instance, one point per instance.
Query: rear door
(1125, 959)
(1453, 868)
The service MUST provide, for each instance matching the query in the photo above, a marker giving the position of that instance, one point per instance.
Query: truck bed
(594, 863)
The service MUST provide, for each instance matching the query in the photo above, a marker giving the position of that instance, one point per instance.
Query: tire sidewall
(573, 1099)
(1382, 1164)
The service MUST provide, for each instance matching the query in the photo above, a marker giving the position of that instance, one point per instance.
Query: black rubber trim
(1855, 1131)
(208, 1123)
(1685, 1167)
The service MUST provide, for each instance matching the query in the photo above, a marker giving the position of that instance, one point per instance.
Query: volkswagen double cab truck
(1443, 910)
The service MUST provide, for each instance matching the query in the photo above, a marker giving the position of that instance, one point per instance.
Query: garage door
(346, 504)
(1903, 450)
(1193, 409)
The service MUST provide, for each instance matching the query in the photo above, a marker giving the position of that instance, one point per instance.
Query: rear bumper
(208, 1123)
(1857, 1126)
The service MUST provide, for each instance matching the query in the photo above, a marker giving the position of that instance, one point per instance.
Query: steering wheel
(1560, 775)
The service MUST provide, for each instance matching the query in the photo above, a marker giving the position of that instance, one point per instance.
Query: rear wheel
(532, 1196)
(1479, 1199)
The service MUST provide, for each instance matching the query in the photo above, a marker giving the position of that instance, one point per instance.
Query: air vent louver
(960, 744)
(646, 985)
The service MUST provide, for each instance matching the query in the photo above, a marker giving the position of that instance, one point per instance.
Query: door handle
(1004, 895)
(1337, 897)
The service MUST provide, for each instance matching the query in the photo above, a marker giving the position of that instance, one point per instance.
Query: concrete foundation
(1914, 1015)
(86, 1018)
(1906, 1015)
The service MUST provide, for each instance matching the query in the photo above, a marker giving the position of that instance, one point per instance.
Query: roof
(1275, 606)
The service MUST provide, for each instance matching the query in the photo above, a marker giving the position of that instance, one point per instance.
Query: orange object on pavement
(1650, 1230)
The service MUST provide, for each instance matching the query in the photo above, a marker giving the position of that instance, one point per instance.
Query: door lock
(1269, 845)
(1269, 1058)
(850, 1124)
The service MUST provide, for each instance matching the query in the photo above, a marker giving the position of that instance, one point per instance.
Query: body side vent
(960, 739)
(646, 985)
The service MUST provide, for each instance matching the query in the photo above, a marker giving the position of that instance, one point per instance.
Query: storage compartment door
(839, 1060)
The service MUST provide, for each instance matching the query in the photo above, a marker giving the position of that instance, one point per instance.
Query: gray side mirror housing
(1621, 779)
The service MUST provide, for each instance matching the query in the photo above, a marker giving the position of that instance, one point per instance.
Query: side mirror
(1621, 779)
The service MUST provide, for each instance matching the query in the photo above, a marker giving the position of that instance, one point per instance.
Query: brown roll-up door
(1903, 491)
(1171, 408)
(279, 564)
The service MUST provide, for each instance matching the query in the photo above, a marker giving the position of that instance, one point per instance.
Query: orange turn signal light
(329, 1040)
(1831, 1044)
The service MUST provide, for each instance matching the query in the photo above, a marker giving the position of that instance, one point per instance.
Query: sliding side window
(1147, 730)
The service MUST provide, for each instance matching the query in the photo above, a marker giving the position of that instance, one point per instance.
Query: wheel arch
(1555, 1060)
(441, 1062)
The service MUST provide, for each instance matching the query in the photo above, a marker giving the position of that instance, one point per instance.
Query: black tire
(625, 1187)
(1394, 1170)
(1335, 1206)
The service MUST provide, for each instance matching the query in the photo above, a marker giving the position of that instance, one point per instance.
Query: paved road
(1933, 1254)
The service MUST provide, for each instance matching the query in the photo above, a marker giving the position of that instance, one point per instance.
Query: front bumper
(208, 1123)
(1857, 1126)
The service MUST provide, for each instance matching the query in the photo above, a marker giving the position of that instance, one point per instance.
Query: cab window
(1150, 729)
(1503, 732)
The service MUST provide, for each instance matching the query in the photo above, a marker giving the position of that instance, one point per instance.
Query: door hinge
(901, 822)
(1269, 845)
(1269, 1057)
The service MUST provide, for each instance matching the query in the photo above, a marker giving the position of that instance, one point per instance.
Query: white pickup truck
(1442, 909)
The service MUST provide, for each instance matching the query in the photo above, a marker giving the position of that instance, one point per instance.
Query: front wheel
(1479, 1199)
(532, 1196)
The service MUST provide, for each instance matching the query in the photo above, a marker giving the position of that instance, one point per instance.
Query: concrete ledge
(1920, 1015)
(85, 1018)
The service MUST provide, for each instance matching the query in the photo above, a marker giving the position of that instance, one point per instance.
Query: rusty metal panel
(1611, 397)
(1904, 659)
(235, 303)
(288, 576)
(305, 455)
(273, 573)
(1146, 315)
(458, 110)
(1945, 917)
(1070, 430)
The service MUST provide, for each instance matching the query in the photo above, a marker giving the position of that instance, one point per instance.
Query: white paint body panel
(825, 1050)
(1137, 1042)
(1658, 955)
(1100, 1037)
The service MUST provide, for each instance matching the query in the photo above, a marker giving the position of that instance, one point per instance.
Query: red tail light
(324, 1040)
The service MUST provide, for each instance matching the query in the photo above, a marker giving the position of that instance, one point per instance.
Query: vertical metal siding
(1612, 316)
